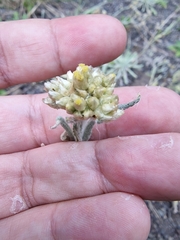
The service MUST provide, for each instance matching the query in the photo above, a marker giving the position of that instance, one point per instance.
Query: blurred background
(152, 58)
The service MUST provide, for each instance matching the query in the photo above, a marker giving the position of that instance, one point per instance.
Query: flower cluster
(85, 93)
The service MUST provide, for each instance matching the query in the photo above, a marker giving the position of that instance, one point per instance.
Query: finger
(110, 216)
(146, 165)
(25, 121)
(34, 50)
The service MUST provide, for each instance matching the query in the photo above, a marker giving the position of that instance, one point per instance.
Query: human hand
(56, 191)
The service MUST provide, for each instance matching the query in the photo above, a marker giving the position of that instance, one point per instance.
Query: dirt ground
(153, 27)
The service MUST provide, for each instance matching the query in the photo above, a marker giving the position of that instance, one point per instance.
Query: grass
(176, 48)
(149, 6)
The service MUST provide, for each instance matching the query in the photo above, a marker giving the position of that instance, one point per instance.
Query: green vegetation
(175, 84)
(124, 66)
(149, 6)
(29, 4)
(2, 92)
(176, 48)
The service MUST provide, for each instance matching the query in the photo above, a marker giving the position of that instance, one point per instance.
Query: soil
(150, 36)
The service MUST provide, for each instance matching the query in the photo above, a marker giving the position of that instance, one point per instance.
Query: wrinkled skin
(83, 190)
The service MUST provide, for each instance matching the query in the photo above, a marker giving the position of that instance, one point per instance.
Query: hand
(57, 191)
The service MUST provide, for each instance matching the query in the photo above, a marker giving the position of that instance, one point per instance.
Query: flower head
(85, 93)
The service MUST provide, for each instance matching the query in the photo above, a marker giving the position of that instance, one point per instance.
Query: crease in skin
(168, 144)
(18, 204)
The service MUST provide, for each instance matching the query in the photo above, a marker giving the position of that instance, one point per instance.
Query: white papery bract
(85, 93)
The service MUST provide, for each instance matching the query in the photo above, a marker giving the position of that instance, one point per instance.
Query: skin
(86, 190)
